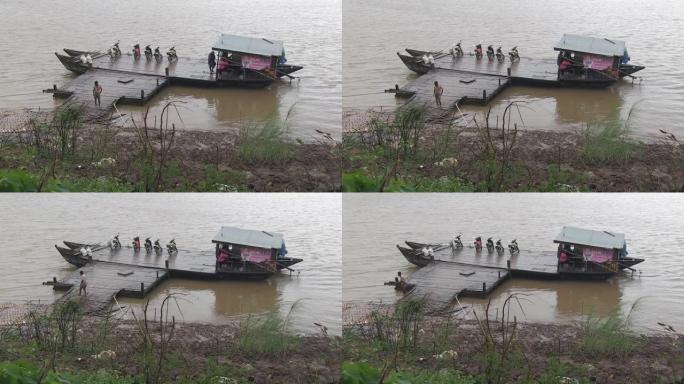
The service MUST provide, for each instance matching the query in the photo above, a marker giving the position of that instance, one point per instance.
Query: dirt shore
(538, 161)
(194, 350)
(108, 158)
(537, 351)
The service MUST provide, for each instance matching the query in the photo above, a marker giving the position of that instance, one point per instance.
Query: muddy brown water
(310, 29)
(373, 31)
(374, 224)
(33, 224)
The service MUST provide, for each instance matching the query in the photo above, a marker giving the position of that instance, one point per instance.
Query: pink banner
(597, 255)
(258, 63)
(598, 62)
(255, 255)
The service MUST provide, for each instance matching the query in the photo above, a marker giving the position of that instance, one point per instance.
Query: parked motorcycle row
(115, 52)
(115, 243)
(490, 244)
(499, 55)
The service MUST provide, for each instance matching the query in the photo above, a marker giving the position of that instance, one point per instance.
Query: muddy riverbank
(454, 350)
(104, 347)
(105, 157)
(442, 156)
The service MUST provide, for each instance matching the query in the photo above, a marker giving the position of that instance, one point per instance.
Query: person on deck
(438, 91)
(89, 252)
(401, 282)
(222, 64)
(564, 66)
(211, 61)
(82, 287)
(97, 91)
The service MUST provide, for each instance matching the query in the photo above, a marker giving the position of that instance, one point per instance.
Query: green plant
(23, 372)
(363, 373)
(266, 335)
(265, 145)
(609, 336)
(608, 143)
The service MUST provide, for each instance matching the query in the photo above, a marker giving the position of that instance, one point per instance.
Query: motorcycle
(478, 244)
(513, 247)
(136, 243)
(115, 51)
(499, 247)
(148, 53)
(500, 55)
(136, 51)
(513, 53)
(457, 51)
(172, 54)
(478, 51)
(490, 53)
(171, 246)
(157, 246)
(158, 56)
(456, 242)
(114, 243)
(490, 245)
(148, 245)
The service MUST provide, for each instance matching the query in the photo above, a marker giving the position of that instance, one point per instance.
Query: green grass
(608, 143)
(266, 336)
(363, 373)
(266, 145)
(359, 181)
(609, 336)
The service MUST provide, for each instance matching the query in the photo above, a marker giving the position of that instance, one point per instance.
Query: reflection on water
(375, 30)
(374, 224)
(213, 109)
(213, 301)
(312, 38)
(311, 224)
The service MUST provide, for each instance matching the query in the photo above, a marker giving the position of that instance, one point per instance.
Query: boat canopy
(592, 45)
(588, 237)
(249, 45)
(248, 237)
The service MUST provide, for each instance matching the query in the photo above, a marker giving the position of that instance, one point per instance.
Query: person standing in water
(438, 94)
(211, 61)
(83, 285)
(97, 91)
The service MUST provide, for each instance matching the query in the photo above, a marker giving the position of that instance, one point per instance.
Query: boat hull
(72, 256)
(414, 257)
(286, 69)
(72, 63)
(629, 69)
(416, 65)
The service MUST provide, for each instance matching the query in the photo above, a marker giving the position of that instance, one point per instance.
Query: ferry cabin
(242, 60)
(590, 60)
(589, 253)
(248, 252)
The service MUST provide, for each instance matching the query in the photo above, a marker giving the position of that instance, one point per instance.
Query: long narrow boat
(77, 53)
(72, 256)
(420, 246)
(417, 53)
(414, 257)
(72, 63)
(414, 64)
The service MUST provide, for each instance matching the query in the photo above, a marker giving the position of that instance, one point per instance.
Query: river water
(373, 224)
(374, 31)
(310, 223)
(310, 29)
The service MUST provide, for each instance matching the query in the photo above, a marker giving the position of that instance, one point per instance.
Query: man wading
(438, 94)
(97, 90)
(83, 285)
